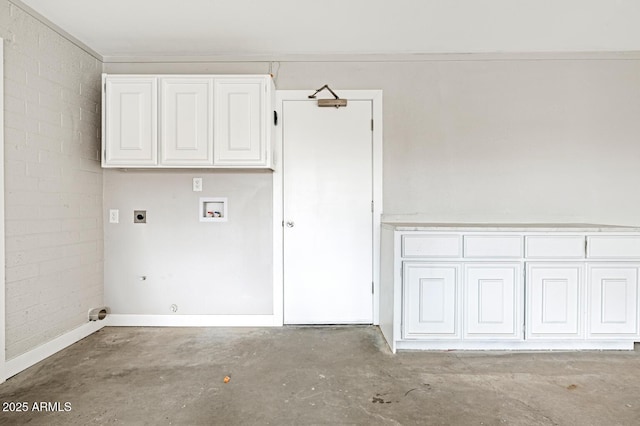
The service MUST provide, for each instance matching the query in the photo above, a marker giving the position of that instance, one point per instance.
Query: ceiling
(153, 28)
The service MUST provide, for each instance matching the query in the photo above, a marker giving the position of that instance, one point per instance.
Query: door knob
(290, 224)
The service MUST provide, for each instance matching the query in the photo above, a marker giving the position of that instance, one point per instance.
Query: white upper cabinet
(241, 114)
(130, 129)
(186, 117)
(187, 121)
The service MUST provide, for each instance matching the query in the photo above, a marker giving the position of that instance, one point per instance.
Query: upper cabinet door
(186, 117)
(241, 128)
(131, 121)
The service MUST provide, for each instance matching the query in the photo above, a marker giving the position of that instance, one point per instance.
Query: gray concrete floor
(319, 376)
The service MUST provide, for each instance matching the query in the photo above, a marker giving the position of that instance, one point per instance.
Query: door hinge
(586, 241)
(371, 206)
(372, 286)
(275, 118)
(372, 124)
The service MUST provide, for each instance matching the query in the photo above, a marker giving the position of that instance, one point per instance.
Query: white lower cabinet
(431, 300)
(555, 300)
(613, 301)
(437, 294)
(498, 289)
(493, 301)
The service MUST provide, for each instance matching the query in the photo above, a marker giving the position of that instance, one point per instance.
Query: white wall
(490, 138)
(202, 267)
(53, 192)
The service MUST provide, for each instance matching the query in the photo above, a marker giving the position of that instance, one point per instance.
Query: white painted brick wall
(54, 239)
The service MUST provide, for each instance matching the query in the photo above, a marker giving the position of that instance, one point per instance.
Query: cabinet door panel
(431, 300)
(131, 121)
(493, 299)
(186, 136)
(554, 300)
(613, 301)
(240, 122)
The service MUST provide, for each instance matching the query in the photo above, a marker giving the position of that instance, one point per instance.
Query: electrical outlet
(114, 216)
(197, 184)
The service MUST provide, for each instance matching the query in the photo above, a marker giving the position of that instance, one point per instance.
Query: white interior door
(328, 227)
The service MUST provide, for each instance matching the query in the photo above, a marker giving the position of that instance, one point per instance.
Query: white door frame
(375, 96)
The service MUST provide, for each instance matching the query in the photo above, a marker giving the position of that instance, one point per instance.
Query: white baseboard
(26, 360)
(125, 320)
(546, 345)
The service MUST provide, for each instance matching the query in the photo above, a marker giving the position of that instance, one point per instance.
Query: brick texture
(53, 190)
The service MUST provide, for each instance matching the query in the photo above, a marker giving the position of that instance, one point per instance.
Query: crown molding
(375, 57)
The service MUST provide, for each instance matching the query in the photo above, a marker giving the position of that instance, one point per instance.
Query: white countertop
(508, 227)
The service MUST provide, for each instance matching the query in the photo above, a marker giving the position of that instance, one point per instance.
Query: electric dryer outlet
(139, 216)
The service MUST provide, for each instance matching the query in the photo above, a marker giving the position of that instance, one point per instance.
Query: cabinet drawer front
(614, 246)
(562, 246)
(495, 246)
(433, 246)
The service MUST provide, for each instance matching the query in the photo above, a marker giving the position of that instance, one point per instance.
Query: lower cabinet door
(555, 295)
(493, 300)
(430, 299)
(613, 301)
